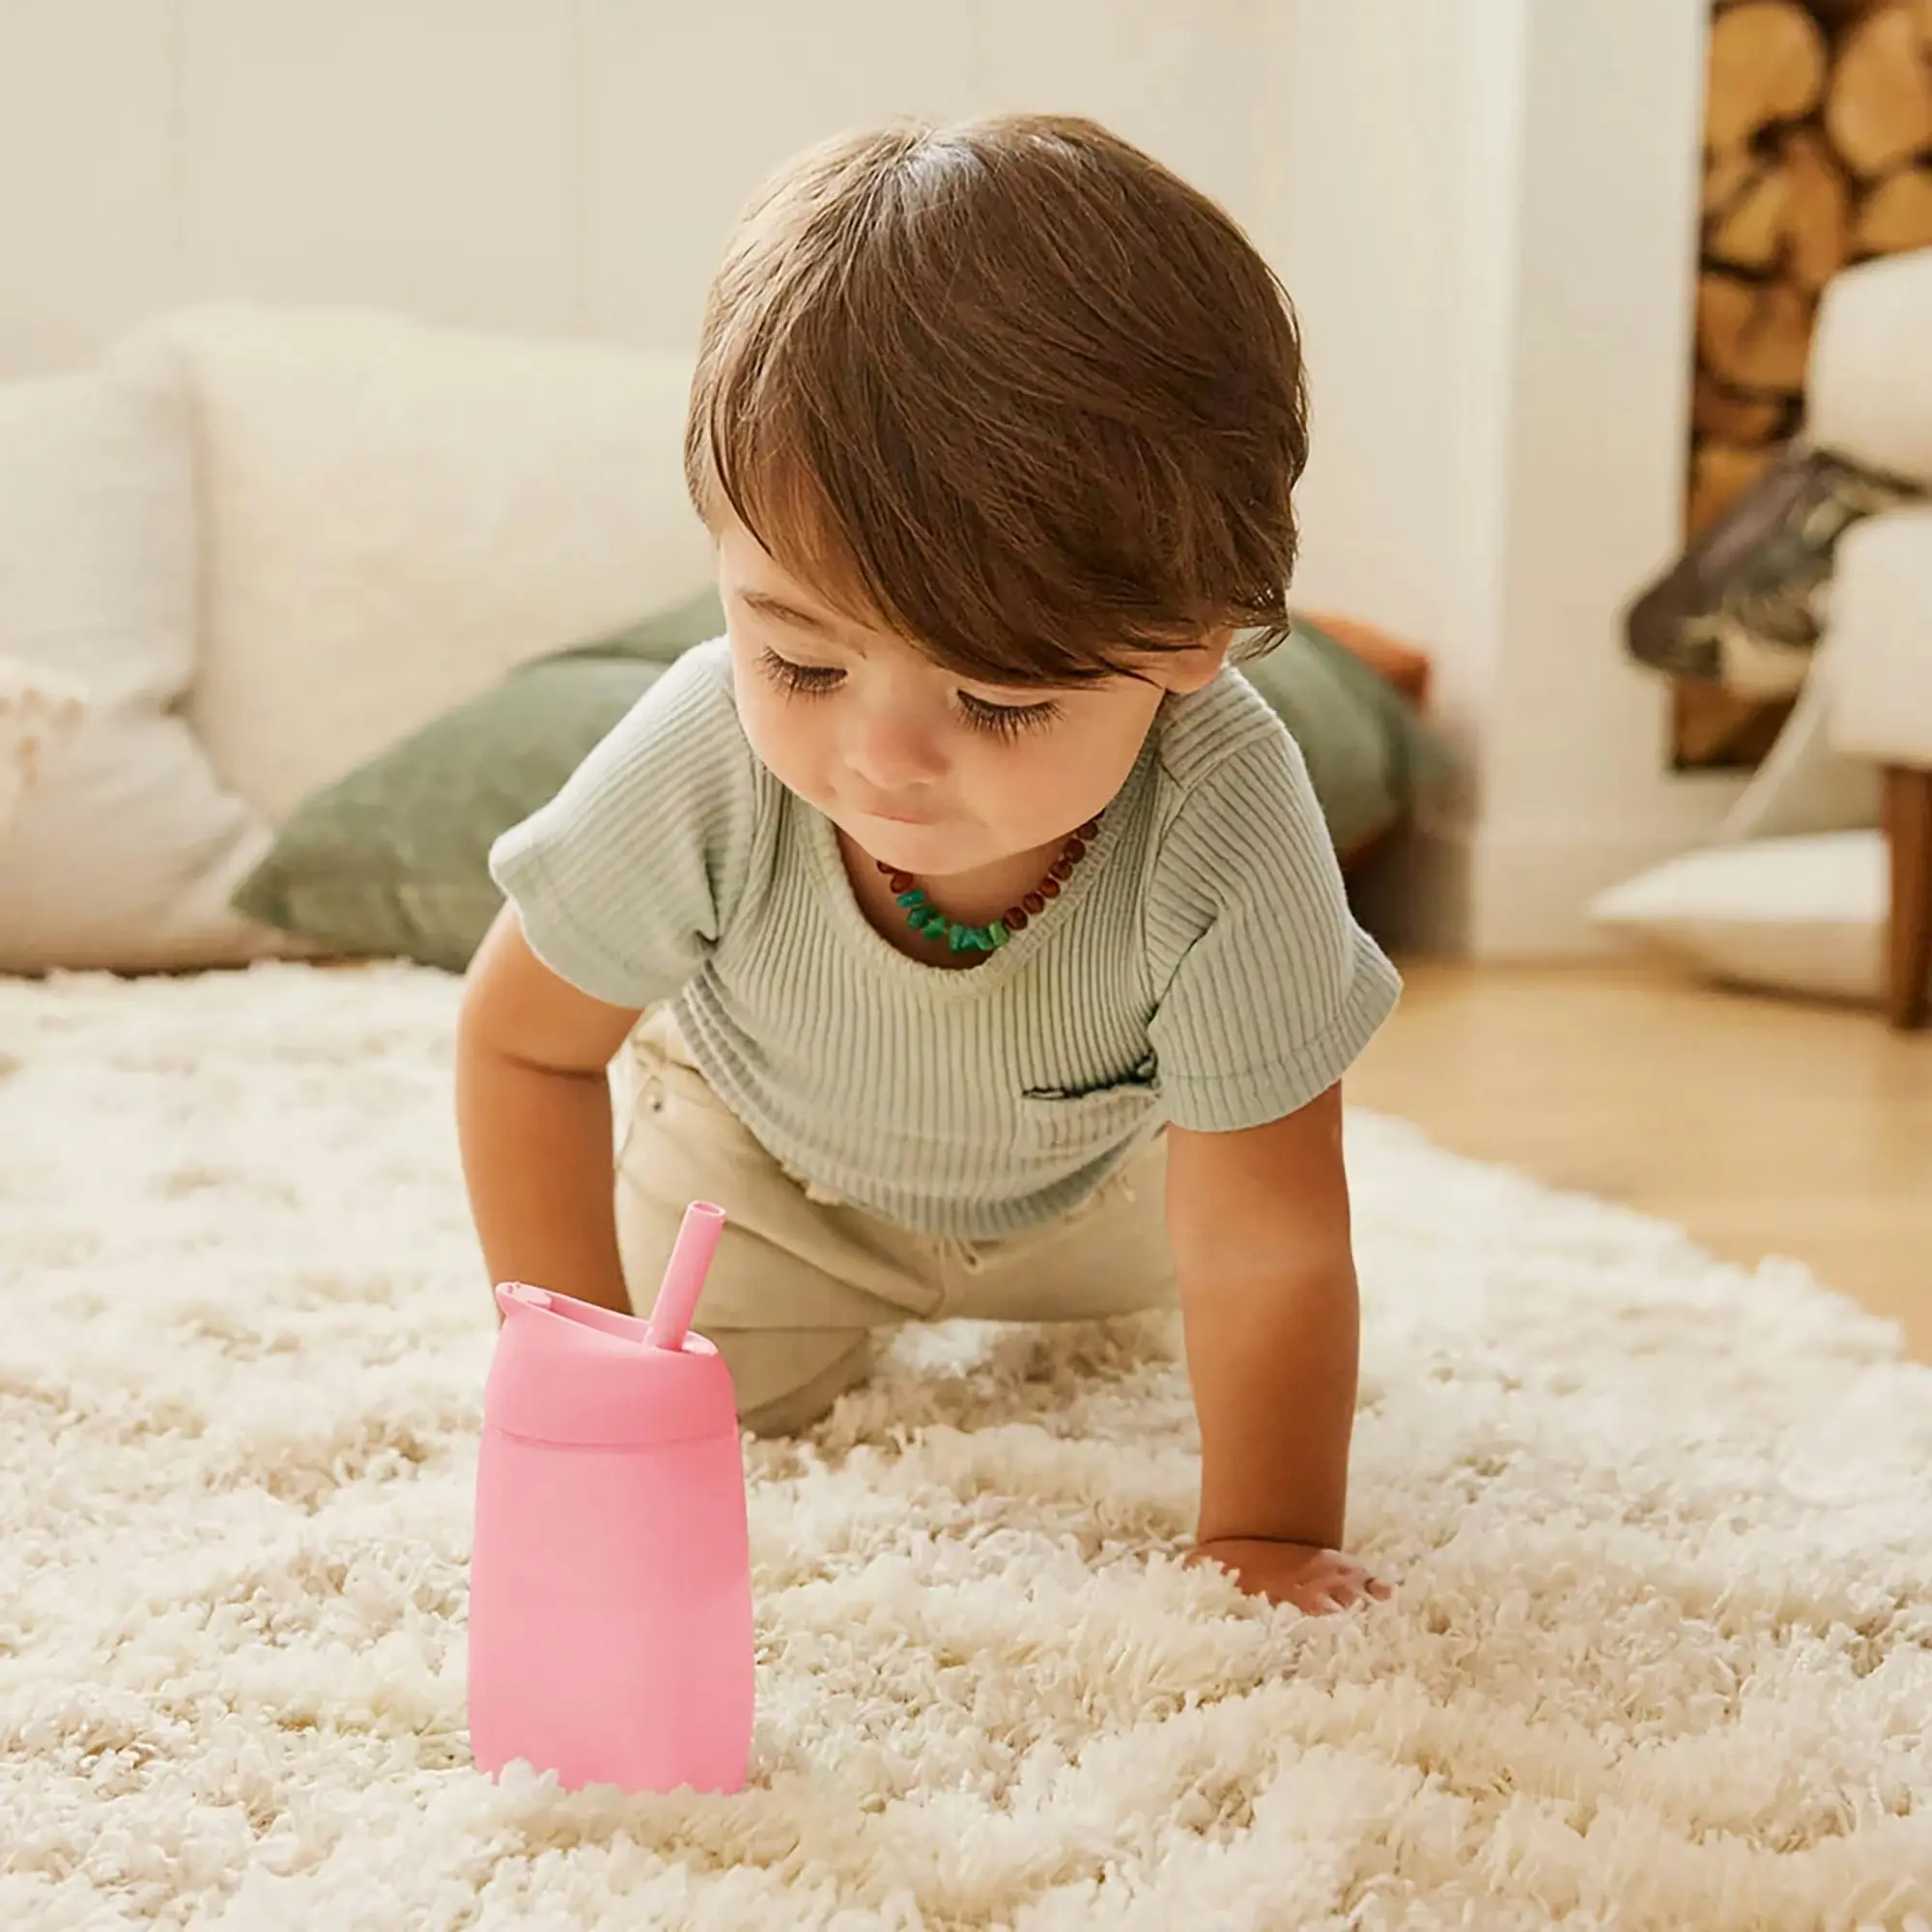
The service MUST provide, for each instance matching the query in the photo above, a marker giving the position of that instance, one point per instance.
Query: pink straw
(684, 1278)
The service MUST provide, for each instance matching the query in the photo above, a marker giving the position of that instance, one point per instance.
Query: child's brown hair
(1009, 390)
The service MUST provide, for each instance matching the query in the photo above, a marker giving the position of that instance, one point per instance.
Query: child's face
(928, 772)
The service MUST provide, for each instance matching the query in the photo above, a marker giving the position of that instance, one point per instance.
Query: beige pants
(800, 1281)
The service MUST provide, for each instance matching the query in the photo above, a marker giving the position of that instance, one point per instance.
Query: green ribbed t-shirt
(1200, 967)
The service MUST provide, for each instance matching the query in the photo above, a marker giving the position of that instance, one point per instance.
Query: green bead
(915, 898)
(962, 938)
(998, 934)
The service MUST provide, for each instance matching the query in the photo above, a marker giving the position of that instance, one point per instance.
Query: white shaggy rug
(1660, 1653)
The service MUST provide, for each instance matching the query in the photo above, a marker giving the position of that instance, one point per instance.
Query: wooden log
(1878, 108)
(1724, 309)
(1705, 719)
(1753, 336)
(1731, 415)
(1751, 232)
(1817, 211)
(1766, 63)
(1896, 214)
(1792, 214)
(1837, 15)
(1719, 472)
(1728, 177)
(1714, 728)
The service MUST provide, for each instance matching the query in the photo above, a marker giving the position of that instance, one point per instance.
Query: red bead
(1088, 830)
(1033, 904)
(902, 882)
(1077, 850)
(1050, 887)
(1013, 919)
(882, 866)
(1061, 869)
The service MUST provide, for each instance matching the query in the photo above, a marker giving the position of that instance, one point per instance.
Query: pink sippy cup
(611, 1579)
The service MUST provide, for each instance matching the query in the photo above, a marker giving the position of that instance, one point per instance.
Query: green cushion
(1368, 753)
(393, 860)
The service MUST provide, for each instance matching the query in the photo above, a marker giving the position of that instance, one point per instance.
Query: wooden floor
(1765, 1127)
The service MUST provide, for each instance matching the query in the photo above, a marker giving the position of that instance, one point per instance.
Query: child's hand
(1307, 1576)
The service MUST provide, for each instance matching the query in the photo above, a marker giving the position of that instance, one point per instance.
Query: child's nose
(891, 751)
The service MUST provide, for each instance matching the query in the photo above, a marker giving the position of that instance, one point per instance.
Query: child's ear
(1185, 671)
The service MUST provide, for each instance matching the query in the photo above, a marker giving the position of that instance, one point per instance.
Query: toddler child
(961, 921)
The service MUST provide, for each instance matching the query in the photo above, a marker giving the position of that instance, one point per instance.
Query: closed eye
(807, 680)
(1004, 722)
(1007, 721)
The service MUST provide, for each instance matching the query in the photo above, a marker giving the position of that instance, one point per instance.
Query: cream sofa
(1870, 399)
(251, 548)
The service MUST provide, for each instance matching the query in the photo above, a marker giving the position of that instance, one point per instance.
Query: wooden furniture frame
(1908, 838)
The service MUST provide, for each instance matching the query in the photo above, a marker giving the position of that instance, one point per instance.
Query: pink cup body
(610, 1634)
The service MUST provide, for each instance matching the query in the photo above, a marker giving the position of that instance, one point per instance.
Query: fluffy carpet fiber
(1661, 1652)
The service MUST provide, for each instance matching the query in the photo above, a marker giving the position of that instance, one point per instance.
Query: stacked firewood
(1817, 153)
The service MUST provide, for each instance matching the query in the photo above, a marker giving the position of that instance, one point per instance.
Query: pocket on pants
(650, 1073)
(656, 1041)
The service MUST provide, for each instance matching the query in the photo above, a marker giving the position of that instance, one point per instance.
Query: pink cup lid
(569, 1373)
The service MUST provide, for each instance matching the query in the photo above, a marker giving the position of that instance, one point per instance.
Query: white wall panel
(416, 154)
(534, 164)
(1184, 81)
(89, 213)
(688, 109)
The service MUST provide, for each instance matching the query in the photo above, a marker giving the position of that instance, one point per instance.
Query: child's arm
(533, 1121)
(1259, 1222)
(618, 889)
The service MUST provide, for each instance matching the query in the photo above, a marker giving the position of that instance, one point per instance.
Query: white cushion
(1806, 783)
(395, 514)
(1791, 915)
(40, 710)
(124, 853)
(1881, 638)
(1868, 379)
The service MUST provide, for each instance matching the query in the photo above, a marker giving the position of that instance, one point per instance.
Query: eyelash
(804, 680)
(1005, 722)
(1008, 722)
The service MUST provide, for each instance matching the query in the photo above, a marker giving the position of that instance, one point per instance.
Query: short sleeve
(626, 878)
(1266, 987)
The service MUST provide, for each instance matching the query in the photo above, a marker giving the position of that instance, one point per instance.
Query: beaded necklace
(924, 918)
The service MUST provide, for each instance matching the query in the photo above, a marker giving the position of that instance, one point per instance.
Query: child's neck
(974, 897)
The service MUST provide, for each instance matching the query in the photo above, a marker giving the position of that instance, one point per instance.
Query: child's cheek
(779, 730)
(761, 713)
